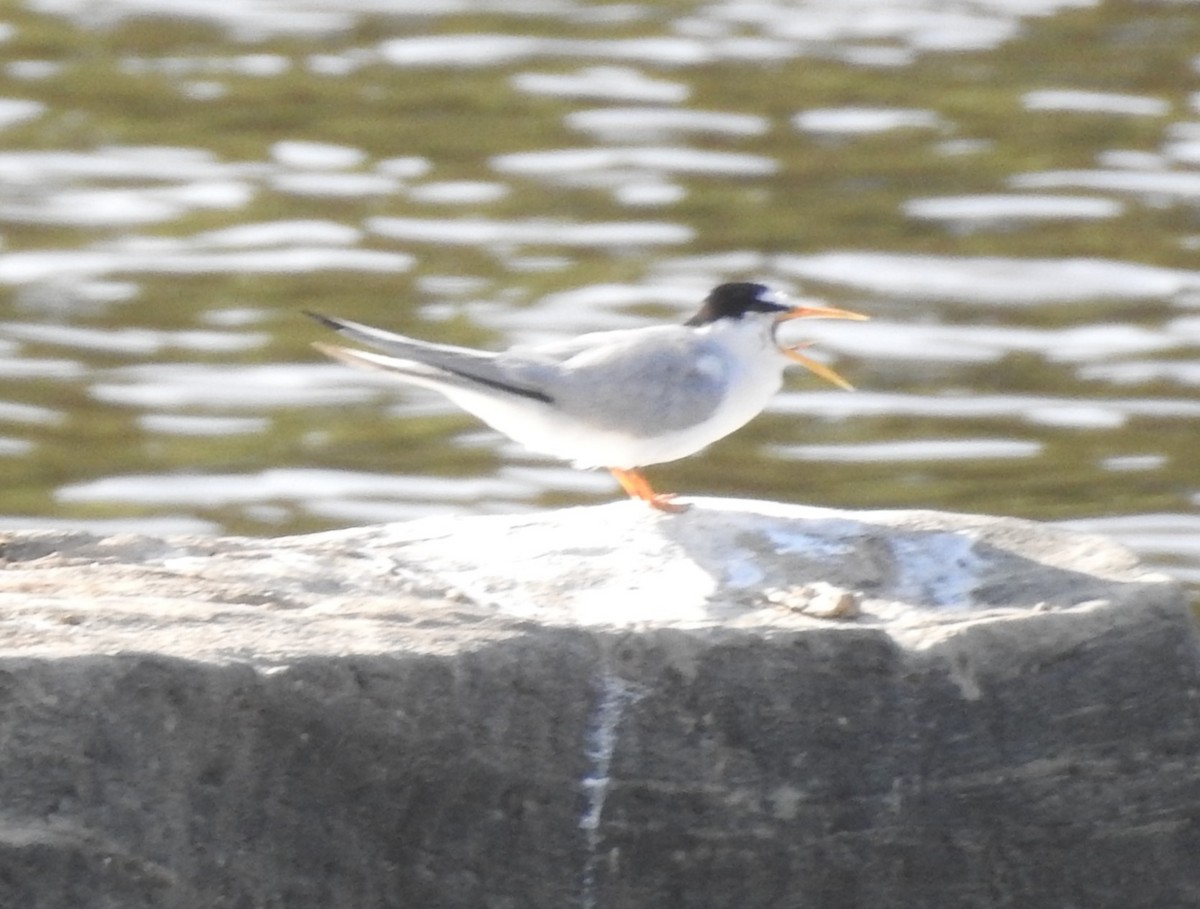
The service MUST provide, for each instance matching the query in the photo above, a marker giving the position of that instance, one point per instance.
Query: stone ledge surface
(598, 707)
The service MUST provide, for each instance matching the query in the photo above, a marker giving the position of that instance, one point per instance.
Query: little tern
(621, 399)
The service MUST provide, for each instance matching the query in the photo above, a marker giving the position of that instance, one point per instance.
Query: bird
(621, 399)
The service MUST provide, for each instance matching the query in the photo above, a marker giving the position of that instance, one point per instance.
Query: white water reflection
(652, 122)
(1130, 159)
(949, 343)
(43, 187)
(1168, 541)
(33, 70)
(489, 50)
(303, 232)
(462, 50)
(139, 341)
(19, 110)
(41, 368)
(1091, 102)
(408, 167)
(120, 162)
(169, 257)
(66, 297)
(975, 212)
(1036, 409)
(649, 193)
(246, 20)
(1177, 534)
(1152, 184)
(261, 65)
(603, 83)
(14, 412)
(1137, 372)
(537, 232)
(1076, 415)
(13, 448)
(1131, 463)
(920, 26)
(907, 450)
(1183, 142)
(334, 185)
(862, 121)
(149, 524)
(458, 192)
(297, 485)
(194, 425)
(167, 386)
(990, 280)
(121, 207)
(316, 155)
(573, 162)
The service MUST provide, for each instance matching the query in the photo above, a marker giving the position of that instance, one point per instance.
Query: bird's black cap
(732, 301)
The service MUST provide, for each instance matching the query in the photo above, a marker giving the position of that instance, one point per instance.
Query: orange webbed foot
(638, 487)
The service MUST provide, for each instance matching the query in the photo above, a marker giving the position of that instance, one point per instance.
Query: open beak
(793, 353)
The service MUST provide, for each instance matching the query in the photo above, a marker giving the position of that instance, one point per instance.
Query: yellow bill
(815, 366)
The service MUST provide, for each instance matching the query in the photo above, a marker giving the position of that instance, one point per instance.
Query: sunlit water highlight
(174, 196)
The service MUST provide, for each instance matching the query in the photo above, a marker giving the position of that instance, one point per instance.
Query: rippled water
(1010, 188)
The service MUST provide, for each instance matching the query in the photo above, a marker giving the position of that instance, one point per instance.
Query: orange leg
(637, 486)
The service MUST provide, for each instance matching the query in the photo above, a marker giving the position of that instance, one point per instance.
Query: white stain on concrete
(601, 744)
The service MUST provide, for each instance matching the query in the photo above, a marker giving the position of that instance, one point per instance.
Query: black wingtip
(324, 320)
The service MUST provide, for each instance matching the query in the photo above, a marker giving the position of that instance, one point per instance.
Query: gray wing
(428, 363)
(641, 382)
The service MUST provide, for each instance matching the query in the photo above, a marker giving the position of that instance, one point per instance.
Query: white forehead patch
(770, 295)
